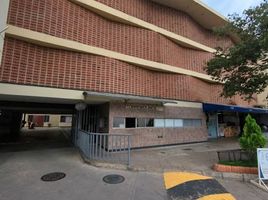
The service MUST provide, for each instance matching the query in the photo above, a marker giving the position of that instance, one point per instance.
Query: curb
(235, 169)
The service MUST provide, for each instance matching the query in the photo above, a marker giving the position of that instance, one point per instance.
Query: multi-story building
(138, 64)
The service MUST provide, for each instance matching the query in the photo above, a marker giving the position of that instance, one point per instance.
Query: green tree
(242, 68)
(252, 137)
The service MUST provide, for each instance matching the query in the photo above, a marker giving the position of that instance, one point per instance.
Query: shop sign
(141, 107)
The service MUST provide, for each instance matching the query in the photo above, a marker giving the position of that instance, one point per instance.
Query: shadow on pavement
(39, 138)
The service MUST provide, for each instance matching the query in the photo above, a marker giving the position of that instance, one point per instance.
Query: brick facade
(159, 136)
(169, 19)
(25, 63)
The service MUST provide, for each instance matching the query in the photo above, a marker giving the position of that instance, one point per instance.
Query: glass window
(197, 122)
(130, 122)
(187, 122)
(169, 123)
(178, 123)
(46, 118)
(141, 122)
(30, 118)
(160, 123)
(68, 119)
(150, 122)
(62, 118)
(192, 122)
(119, 122)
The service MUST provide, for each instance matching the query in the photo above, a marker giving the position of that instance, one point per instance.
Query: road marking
(175, 178)
(226, 196)
(191, 186)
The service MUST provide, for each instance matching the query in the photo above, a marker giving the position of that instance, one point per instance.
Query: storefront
(228, 120)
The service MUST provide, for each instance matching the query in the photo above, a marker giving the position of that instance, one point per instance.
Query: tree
(243, 67)
(252, 137)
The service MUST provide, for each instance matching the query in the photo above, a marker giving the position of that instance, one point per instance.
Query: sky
(226, 7)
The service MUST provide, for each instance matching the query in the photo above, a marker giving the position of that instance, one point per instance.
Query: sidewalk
(197, 157)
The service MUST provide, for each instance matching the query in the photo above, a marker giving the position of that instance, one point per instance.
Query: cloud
(226, 7)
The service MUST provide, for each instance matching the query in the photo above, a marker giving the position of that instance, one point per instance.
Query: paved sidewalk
(198, 157)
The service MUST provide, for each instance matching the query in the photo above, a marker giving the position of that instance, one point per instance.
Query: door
(213, 126)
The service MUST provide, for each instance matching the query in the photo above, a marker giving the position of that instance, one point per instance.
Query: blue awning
(207, 107)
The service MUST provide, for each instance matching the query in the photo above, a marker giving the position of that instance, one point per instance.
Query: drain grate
(113, 179)
(55, 176)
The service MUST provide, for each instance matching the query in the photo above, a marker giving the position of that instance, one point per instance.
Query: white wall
(4, 5)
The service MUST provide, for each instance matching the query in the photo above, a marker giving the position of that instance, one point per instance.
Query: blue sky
(226, 7)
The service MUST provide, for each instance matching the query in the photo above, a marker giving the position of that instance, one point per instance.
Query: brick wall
(25, 63)
(168, 18)
(67, 20)
(159, 136)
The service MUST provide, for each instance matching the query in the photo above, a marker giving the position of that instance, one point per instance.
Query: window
(149, 122)
(197, 122)
(192, 122)
(30, 118)
(130, 122)
(46, 118)
(119, 122)
(159, 123)
(141, 122)
(169, 123)
(145, 122)
(65, 119)
(178, 123)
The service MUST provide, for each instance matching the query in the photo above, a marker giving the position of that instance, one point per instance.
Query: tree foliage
(243, 67)
(252, 137)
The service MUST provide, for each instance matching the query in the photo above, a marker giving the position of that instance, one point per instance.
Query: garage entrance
(30, 126)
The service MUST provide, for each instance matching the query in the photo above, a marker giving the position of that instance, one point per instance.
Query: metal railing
(233, 155)
(113, 148)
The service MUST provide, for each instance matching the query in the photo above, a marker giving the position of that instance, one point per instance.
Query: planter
(235, 169)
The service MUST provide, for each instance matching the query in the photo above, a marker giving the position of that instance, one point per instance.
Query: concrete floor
(20, 174)
(244, 191)
(21, 170)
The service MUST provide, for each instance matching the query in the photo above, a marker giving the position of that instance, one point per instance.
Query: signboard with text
(262, 154)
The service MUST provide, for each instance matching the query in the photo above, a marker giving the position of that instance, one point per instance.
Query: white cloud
(226, 7)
